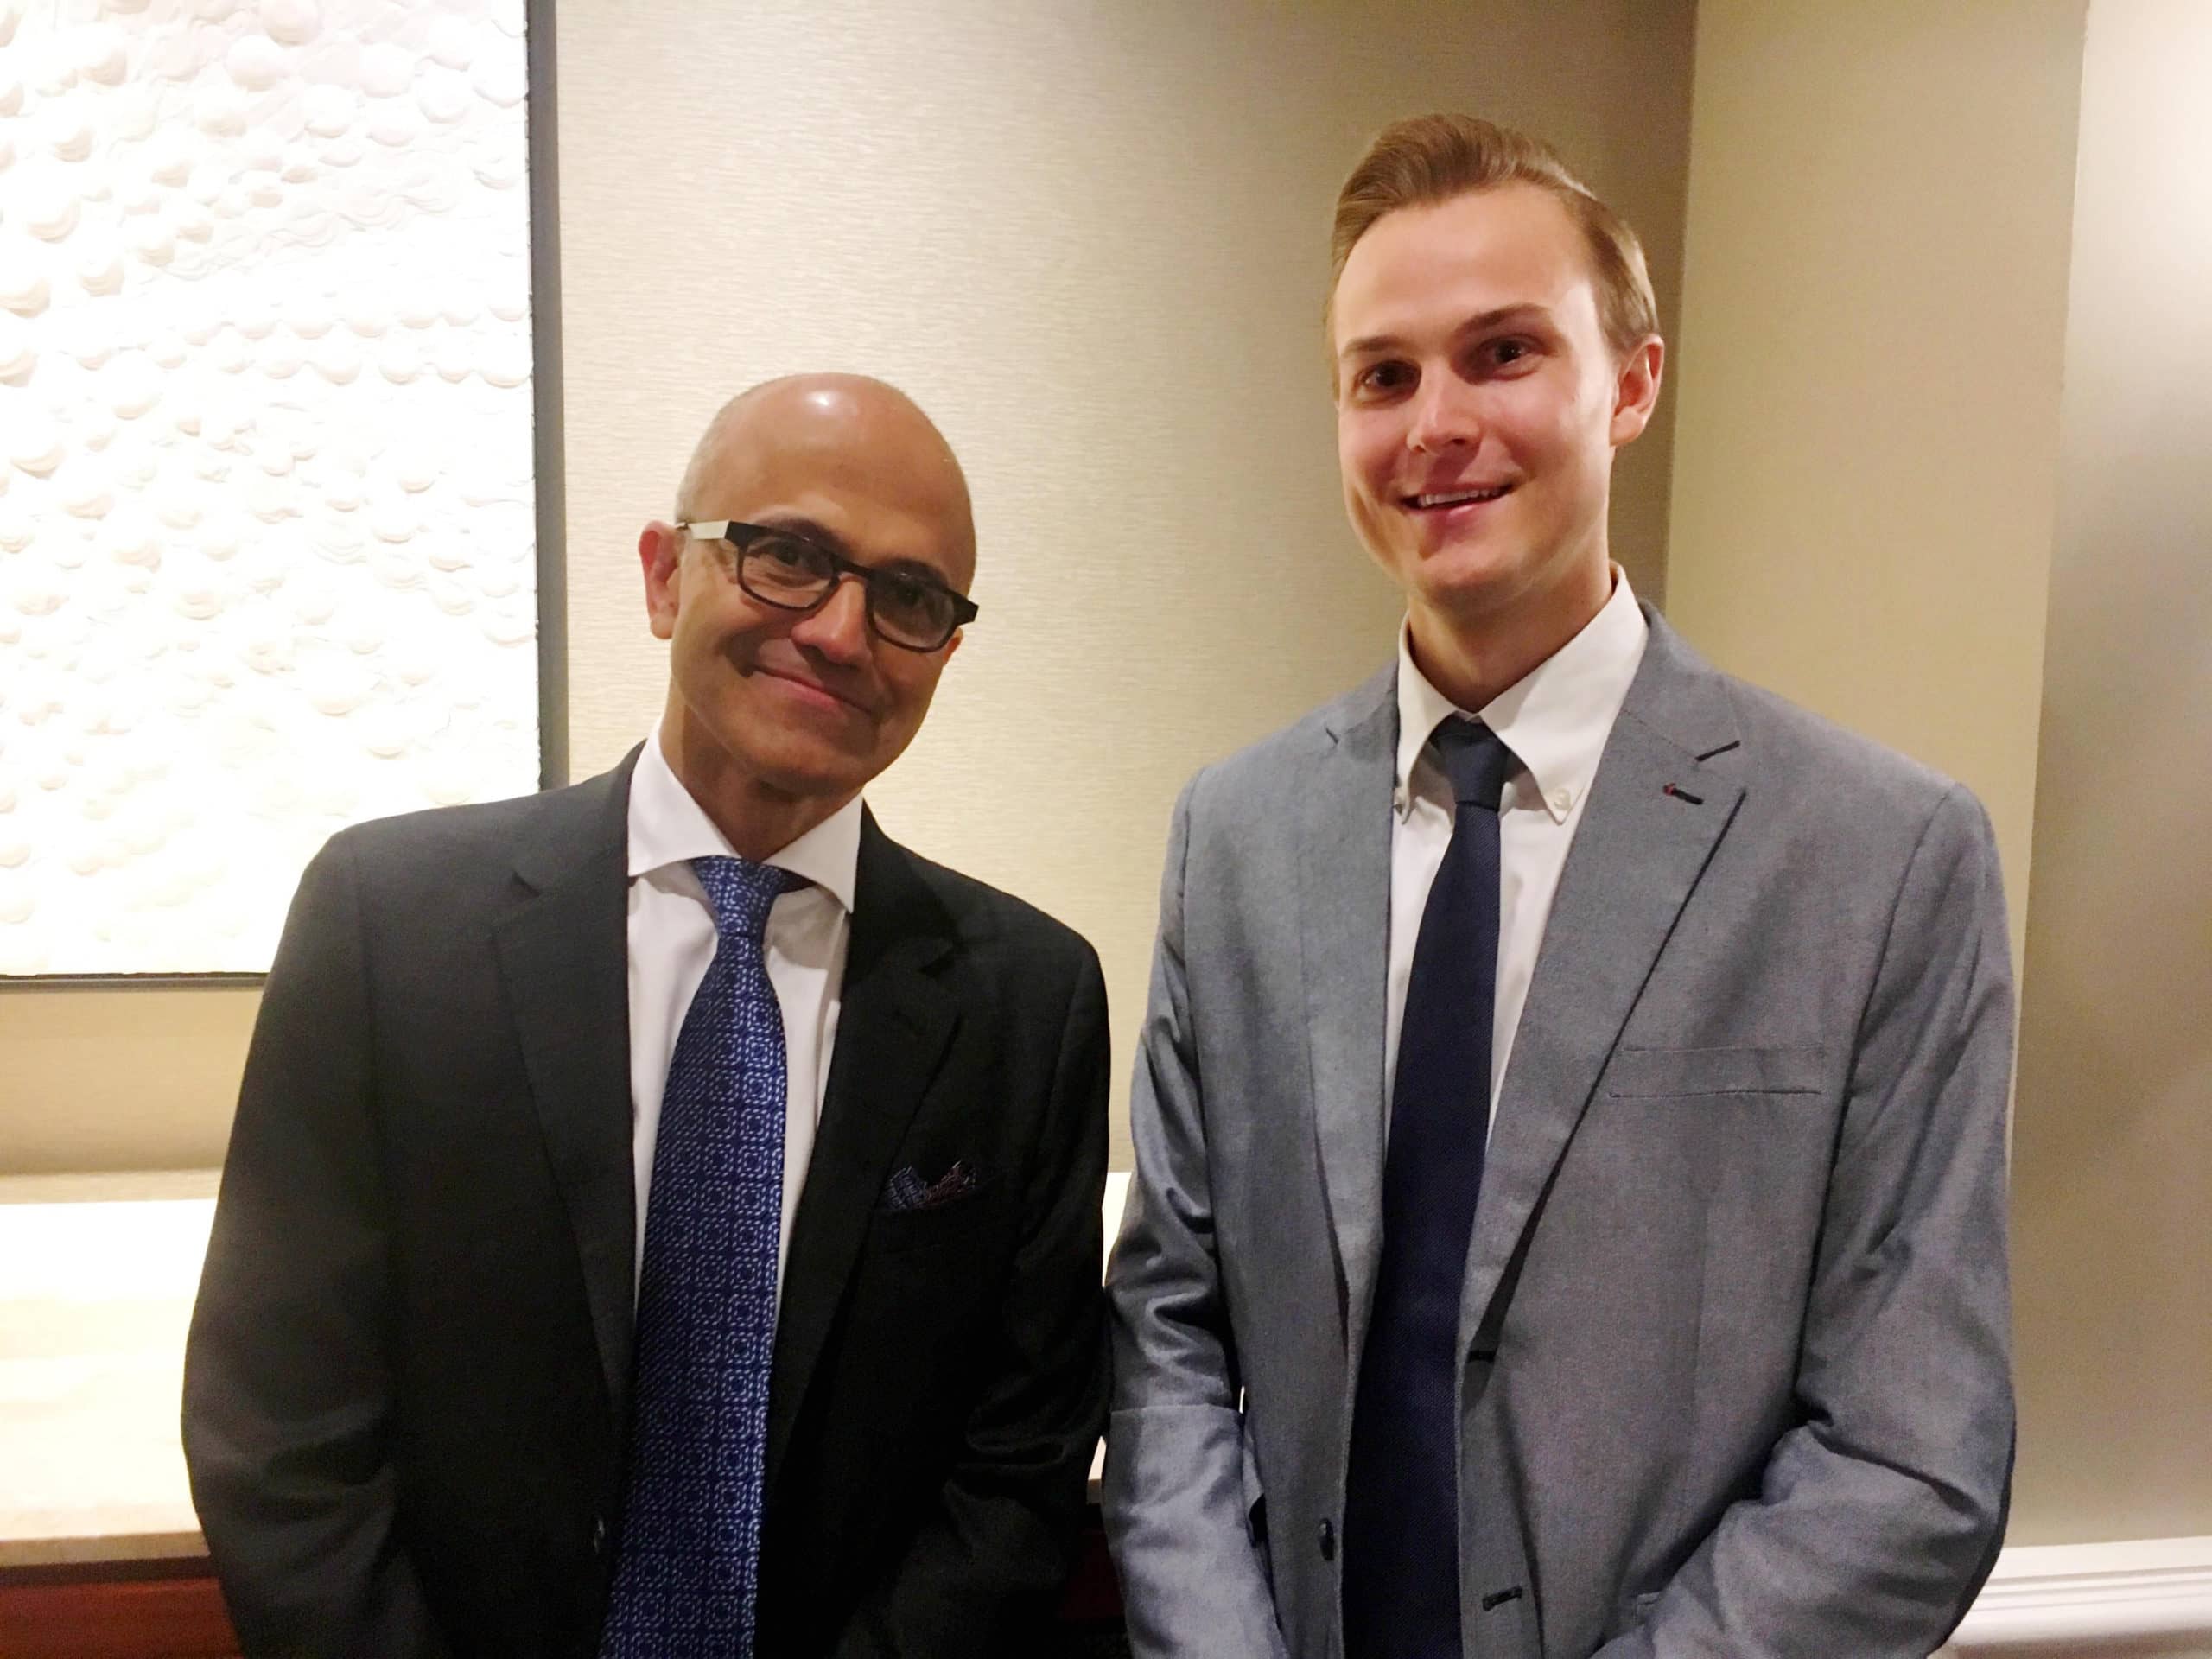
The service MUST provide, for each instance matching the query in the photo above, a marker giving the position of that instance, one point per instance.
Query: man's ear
(1636, 389)
(660, 549)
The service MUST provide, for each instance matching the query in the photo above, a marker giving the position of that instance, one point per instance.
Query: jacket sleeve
(1176, 1505)
(1880, 1514)
(287, 1388)
(983, 1572)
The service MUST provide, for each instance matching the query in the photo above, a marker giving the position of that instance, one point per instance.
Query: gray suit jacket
(1734, 1310)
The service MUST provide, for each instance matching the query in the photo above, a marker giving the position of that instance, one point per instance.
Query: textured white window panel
(267, 562)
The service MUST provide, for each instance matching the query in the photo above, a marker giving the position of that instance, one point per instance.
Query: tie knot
(1475, 758)
(742, 891)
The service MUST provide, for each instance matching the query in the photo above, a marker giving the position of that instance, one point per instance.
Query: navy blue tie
(688, 1566)
(1402, 1517)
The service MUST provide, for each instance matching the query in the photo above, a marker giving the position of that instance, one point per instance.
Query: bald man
(662, 1217)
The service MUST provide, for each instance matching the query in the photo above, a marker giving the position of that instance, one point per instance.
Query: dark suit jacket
(406, 1385)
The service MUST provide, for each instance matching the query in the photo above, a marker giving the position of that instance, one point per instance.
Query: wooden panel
(174, 1610)
(158, 1618)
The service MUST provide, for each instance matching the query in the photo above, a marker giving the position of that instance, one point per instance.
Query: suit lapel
(1343, 907)
(894, 1023)
(1661, 802)
(563, 954)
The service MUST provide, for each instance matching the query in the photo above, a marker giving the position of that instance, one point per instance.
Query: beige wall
(2113, 1136)
(1873, 316)
(1091, 240)
(142, 1077)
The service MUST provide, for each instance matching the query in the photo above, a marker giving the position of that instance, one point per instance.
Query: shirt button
(1561, 799)
(1328, 1540)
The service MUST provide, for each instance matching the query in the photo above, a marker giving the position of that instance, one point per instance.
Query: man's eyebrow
(1367, 344)
(918, 568)
(798, 524)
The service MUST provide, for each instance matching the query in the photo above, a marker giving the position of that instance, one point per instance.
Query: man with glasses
(662, 1217)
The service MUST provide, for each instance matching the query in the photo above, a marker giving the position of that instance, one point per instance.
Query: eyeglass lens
(794, 573)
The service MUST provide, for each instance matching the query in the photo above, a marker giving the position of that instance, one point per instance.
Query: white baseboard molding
(2086, 1601)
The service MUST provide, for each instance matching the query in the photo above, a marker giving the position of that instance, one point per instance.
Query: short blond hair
(1431, 159)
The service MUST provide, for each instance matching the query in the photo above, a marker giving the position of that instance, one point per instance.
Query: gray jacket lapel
(564, 955)
(1665, 792)
(1343, 906)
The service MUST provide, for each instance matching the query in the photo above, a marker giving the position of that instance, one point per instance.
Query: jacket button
(599, 1536)
(1328, 1540)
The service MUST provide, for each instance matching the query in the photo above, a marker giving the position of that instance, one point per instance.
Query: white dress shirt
(1555, 719)
(671, 942)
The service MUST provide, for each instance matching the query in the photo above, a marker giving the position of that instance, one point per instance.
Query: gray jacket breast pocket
(1694, 1073)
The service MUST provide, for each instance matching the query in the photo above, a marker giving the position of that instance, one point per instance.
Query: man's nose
(1444, 417)
(839, 629)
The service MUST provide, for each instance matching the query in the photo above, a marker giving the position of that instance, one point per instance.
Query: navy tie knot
(740, 893)
(1475, 758)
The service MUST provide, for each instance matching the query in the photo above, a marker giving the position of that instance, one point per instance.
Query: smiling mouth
(817, 689)
(1443, 498)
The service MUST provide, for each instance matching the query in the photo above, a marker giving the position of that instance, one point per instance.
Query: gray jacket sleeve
(1176, 1501)
(1880, 1516)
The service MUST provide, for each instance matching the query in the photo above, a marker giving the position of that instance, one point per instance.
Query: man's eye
(1384, 378)
(1508, 350)
(785, 553)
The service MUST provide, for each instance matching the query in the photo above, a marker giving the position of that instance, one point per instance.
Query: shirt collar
(1555, 718)
(667, 826)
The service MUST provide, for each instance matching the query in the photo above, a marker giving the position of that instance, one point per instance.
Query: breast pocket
(964, 1221)
(1659, 1074)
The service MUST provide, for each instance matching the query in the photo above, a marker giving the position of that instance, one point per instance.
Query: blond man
(1568, 1215)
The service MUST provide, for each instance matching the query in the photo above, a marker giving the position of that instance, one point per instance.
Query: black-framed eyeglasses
(794, 572)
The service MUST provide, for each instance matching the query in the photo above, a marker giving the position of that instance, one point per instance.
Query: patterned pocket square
(907, 1190)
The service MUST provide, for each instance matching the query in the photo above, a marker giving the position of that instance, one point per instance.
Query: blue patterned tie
(1401, 1486)
(691, 1548)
